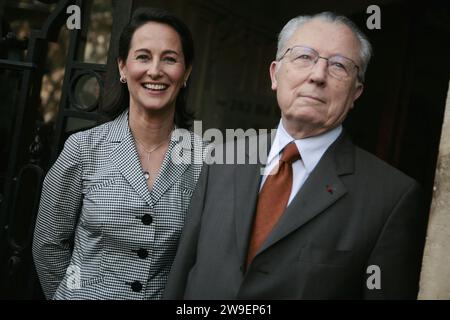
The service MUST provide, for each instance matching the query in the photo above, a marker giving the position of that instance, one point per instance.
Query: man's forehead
(324, 34)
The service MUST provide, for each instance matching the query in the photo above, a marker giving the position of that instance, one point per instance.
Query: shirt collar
(311, 149)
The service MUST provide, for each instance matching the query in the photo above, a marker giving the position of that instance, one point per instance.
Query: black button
(142, 253)
(146, 219)
(136, 286)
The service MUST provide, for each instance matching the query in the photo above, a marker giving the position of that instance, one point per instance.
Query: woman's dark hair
(116, 95)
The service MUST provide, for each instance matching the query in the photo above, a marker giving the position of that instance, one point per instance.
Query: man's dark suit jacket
(354, 211)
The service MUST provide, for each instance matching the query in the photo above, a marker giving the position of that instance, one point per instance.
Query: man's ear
(358, 91)
(273, 74)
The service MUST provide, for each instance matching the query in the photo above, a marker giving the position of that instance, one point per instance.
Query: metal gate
(28, 144)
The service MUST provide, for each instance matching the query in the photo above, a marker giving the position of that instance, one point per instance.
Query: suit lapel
(247, 179)
(246, 189)
(320, 191)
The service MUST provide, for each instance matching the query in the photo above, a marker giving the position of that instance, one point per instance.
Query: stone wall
(435, 277)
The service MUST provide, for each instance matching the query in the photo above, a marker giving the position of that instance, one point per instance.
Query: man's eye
(338, 65)
(304, 57)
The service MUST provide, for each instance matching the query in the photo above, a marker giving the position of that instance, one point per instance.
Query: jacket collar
(126, 159)
(119, 128)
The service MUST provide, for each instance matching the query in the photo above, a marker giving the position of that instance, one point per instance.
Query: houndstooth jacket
(124, 236)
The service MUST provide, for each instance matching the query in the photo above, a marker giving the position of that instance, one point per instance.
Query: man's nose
(319, 71)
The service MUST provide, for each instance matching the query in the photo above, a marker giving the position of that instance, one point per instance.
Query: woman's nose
(154, 69)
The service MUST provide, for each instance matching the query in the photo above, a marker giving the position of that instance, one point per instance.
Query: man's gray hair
(290, 28)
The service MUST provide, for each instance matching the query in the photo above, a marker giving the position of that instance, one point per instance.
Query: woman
(115, 189)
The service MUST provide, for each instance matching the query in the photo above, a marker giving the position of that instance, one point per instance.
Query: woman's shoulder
(108, 131)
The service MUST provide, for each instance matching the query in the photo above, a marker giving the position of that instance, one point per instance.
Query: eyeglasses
(303, 57)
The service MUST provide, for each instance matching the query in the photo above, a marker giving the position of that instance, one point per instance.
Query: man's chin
(304, 122)
(305, 115)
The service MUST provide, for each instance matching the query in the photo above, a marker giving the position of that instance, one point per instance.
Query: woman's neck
(150, 128)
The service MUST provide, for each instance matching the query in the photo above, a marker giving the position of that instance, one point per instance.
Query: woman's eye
(170, 60)
(142, 57)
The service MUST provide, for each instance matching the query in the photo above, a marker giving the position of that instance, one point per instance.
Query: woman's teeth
(153, 86)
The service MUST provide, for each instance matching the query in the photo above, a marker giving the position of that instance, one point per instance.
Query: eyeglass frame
(319, 57)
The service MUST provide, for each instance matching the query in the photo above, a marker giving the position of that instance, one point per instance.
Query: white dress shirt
(311, 151)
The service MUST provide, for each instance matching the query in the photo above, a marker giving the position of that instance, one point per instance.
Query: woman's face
(155, 69)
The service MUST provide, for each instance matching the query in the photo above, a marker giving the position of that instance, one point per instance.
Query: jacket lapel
(320, 191)
(125, 156)
(126, 159)
(171, 168)
(246, 189)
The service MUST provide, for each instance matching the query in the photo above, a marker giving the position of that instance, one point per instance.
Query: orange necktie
(273, 199)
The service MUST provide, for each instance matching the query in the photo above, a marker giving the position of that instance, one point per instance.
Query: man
(327, 220)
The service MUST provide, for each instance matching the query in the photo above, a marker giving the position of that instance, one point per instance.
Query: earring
(123, 79)
(185, 84)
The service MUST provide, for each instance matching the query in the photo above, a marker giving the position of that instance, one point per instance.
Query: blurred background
(53, 82)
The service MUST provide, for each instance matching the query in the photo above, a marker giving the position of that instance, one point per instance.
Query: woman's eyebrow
(164, 52)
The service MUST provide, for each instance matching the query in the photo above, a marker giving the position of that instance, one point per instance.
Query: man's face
(311, 100)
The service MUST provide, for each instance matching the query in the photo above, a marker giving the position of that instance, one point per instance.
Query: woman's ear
(187, 74)
(122, 67)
